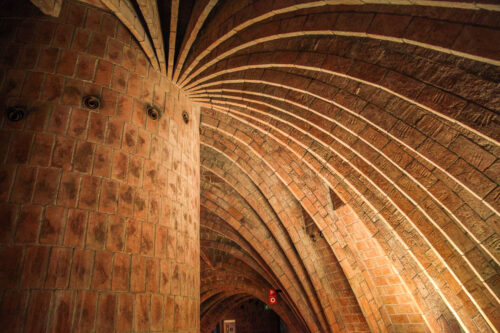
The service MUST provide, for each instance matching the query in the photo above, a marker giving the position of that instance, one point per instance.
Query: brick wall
(100, 217)
(331, 97)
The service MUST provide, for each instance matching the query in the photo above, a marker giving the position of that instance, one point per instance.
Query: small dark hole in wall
(185, 116)
(153, 112)
(92, 102)
(16, 113)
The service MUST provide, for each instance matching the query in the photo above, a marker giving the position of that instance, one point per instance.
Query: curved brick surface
(316, 100)
(102, 205)
(345, 152)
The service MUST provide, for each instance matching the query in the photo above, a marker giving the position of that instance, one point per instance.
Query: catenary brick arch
(359, 276)
(344, 151)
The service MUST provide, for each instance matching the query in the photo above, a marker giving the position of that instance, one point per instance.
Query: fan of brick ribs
(349, 155)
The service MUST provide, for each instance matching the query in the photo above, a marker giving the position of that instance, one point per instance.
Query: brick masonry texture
(99, 208)
(385, 126)
(345, 152)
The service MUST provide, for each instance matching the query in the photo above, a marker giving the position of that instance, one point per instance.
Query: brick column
(99, 208)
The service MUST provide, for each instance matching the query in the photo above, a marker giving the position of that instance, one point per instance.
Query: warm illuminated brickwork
(345, 152)
(99, 208)
(394, 108)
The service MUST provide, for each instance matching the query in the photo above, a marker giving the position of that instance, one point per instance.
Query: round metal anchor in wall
(153, 112)
(16, 113)
(92, 102)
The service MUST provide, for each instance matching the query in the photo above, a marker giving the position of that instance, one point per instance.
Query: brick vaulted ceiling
(349, 155)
